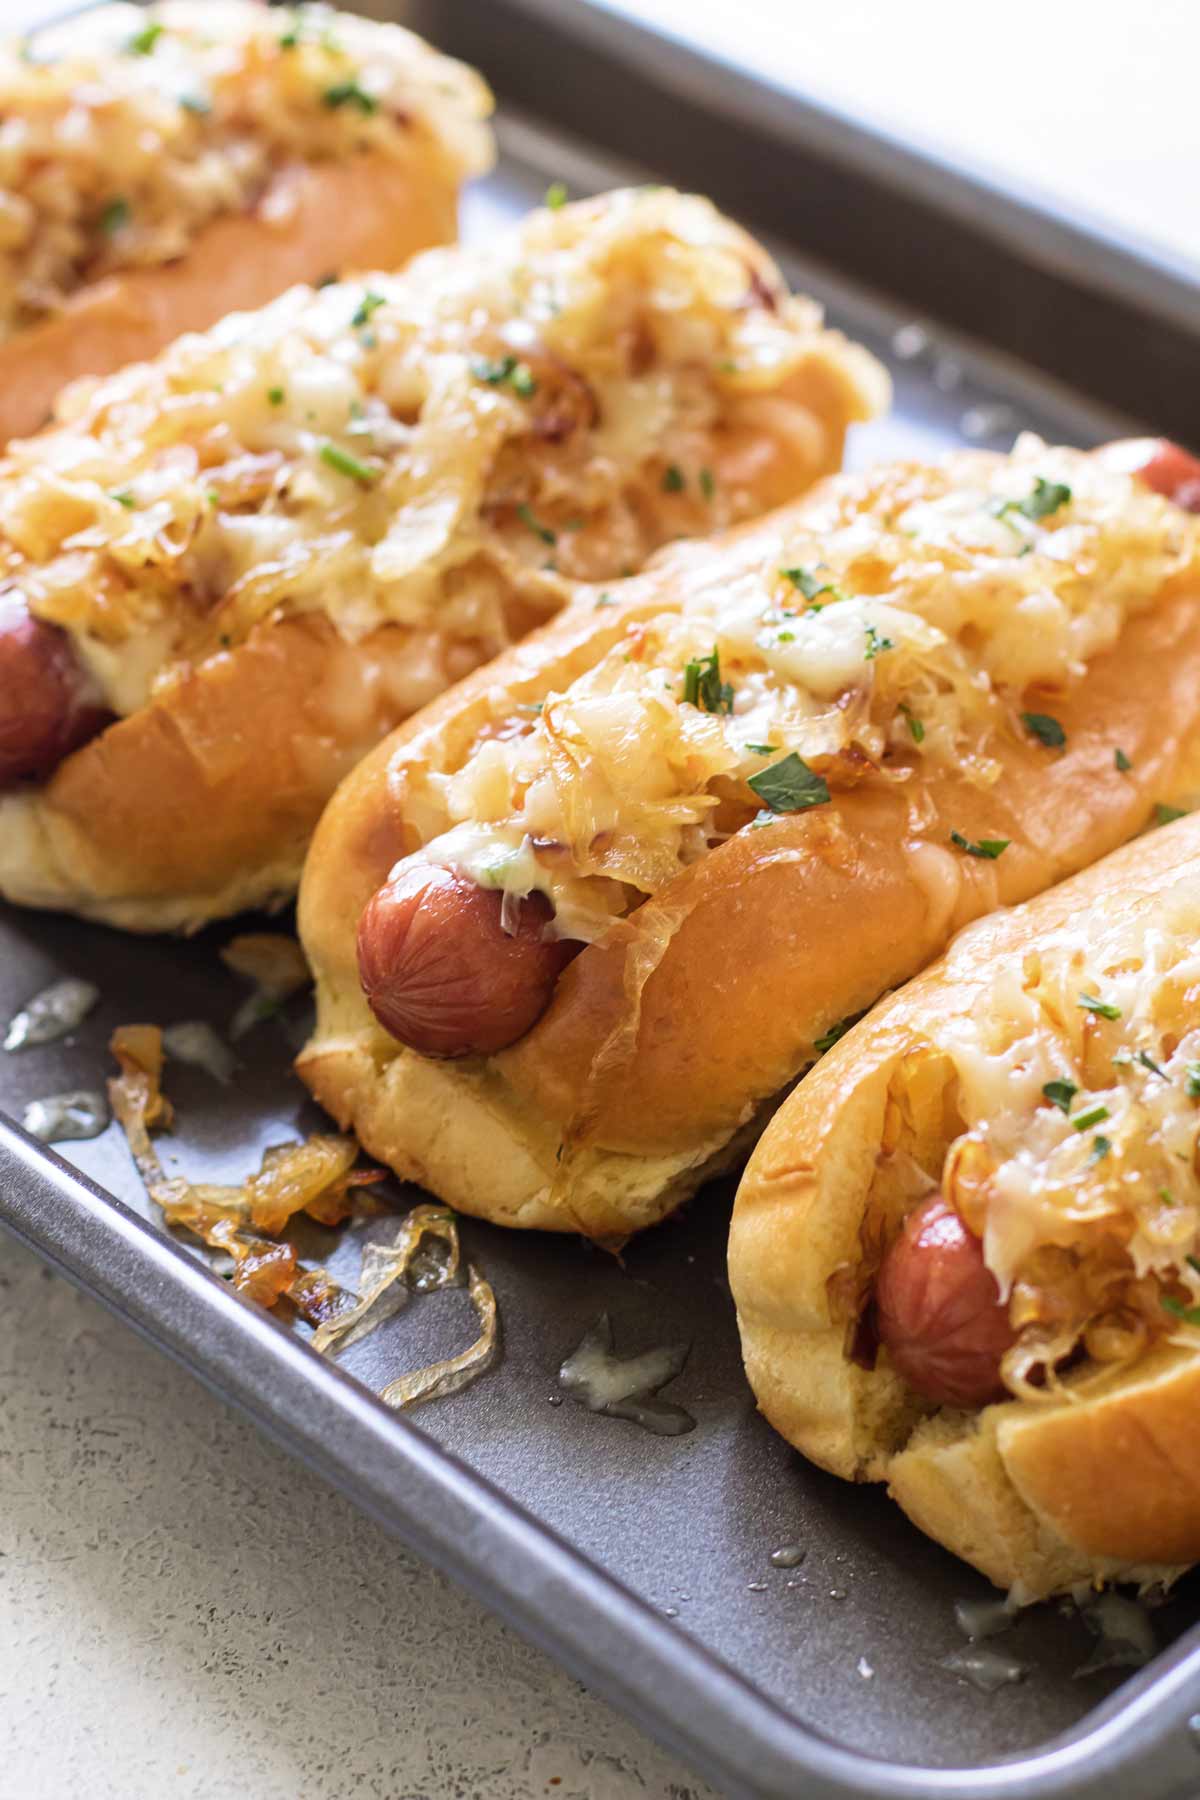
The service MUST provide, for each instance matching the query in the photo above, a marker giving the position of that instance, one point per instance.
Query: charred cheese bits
(160, 166)
(747, 791)
(966, 1253)
(262, 550)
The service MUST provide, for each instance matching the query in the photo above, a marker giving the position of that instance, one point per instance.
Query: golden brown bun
(1040, 1497)
(604, 1115)
(316, 219)
(202, 802)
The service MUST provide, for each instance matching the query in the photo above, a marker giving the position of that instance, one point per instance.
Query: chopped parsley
(915, 728)
(876, 645)
(1103, 1009)
(1095, 1115)
(1122, 762)
(349, 93)
(1189, 1314)
(790, 786)
(1166, 815)
(529, 519)
(810, 585)
(989, 848)
(1045, 729)
(334, 457)
(673, 480)
(142, 42)
(703, 687)
(1060, 1094)
(506, 371)
(1047, 497)
(556, 195)
(1100, 1149)
(275, 396)
(370, 303)
(837, 1030)
(115, 216)
(708, 485)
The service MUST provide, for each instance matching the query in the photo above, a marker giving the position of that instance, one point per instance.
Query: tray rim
(523, 1570)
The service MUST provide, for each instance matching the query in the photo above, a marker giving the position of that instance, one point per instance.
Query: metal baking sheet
(643, 1562)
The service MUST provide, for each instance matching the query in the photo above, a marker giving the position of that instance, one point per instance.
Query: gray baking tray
(643, 1562)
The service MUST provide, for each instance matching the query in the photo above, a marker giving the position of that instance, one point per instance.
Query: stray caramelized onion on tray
(317, 1177)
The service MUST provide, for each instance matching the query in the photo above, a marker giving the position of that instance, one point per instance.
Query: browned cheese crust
(1040, 1496)
(667, 1039)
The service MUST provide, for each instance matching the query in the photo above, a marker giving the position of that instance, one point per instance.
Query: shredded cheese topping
(446, 448)
(127, 129)
(903, 624)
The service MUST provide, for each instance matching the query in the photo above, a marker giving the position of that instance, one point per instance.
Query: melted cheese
(437, 448)
(899, 627)
(127, 129)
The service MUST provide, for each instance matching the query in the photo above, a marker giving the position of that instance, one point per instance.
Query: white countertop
(187, 1614)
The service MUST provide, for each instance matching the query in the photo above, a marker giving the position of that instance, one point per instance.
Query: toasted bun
(202, 802)
(1040, 1497)
(373, 211)
(634, 1085)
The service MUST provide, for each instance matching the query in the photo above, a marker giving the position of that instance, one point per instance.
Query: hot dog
(444, 972)
(759, 784)
(938, 1310)
(48, 704)
(1016, 1353)
(285, 535)
(166, 165)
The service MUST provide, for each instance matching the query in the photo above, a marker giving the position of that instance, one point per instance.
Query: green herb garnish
(1192, 1081)
(1166, 815)
(1095, 1115)
(1046, 498)
(1045, 729)
(115, 216)
(876, 645)
(142, 42)
(370, 303)
(349, 93)
(1100, 1149)
(790, 786)
(990, 848)
(672, 481)
(915, 728)
(810, 585)
(123, 497)
(703, 687)
(1148, 1062)
(708, 485)
(506, 371)
(761, 749)
(556, 195)
(1103, 1009)
(334, 457)
(534, 524)
(837, 1030)
(1122, 762)
(1060, 1094)
(275, 396)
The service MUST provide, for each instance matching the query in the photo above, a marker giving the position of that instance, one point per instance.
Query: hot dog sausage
(1162, 465)
(48, 705)
(939, 1312)
(442, 974)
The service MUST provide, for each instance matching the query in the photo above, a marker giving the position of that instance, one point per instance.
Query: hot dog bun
(668, 1038)
(1098, 1479)
(172, 164)
(283, 536)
